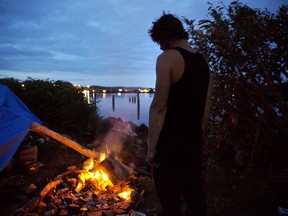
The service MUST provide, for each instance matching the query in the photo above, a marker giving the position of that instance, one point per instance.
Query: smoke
(113, 141)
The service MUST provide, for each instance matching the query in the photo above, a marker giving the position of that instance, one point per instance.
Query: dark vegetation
(59, 105)
(246, 138)
(247, 50)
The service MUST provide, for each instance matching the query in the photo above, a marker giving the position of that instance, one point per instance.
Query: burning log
(64, 140)
(115, 170)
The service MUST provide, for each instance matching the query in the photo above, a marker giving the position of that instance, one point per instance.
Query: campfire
(105, 181)
(100, 187)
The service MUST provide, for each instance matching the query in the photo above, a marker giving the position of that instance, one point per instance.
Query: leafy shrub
(59, 105)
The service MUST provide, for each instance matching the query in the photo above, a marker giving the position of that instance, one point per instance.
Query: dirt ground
(18, 186)
(226, 195)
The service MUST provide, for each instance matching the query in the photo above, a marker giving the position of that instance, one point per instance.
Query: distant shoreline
(118, 89)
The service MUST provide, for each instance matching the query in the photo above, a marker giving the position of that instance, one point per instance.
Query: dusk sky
(90, 42)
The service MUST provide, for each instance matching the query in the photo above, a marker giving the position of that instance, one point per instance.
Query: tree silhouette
(247, 52)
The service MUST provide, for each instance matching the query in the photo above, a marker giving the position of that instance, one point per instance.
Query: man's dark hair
(167, 27)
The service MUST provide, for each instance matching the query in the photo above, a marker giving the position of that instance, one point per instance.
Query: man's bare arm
(157, 110)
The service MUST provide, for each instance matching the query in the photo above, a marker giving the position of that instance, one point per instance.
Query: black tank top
(187, 97)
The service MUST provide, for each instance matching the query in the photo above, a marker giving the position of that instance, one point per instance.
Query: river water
(128, 106)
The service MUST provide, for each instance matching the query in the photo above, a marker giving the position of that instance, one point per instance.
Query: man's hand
(150, 159)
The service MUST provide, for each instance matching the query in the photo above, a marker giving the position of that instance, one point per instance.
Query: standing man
(175, 146)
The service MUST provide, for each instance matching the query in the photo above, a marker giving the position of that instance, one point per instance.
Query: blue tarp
(15, 122)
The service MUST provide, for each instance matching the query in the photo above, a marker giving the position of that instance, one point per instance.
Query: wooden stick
(64, 140)
(29, 206)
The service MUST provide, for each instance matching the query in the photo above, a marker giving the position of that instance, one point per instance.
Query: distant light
(144, 90)
(23, 85)
(120, 90)
(88, 86)
(104, 91)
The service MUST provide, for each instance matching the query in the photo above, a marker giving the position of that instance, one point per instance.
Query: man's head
(167, 28)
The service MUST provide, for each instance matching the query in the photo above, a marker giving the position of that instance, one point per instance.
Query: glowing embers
(87, 191)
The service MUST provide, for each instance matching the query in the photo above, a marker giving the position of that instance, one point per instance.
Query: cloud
(91, 37)
(89, 41)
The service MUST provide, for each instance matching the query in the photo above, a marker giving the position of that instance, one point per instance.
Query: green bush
(59, 105)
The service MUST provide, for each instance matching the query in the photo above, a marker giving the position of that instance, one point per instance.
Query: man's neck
(179, 43)
(183, 44)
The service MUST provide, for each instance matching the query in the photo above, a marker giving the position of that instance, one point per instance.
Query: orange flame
(126, 194)
(100, 179)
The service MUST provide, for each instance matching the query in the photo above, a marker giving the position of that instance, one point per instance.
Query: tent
(15, 122)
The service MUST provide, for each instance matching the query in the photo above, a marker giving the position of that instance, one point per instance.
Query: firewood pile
(86, 192)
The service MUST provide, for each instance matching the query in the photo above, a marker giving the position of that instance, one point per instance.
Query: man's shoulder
(167, 54)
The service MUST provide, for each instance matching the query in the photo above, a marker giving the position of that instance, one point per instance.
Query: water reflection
(136, 100)
(90, 96)
(132, 107)
(138, 106)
